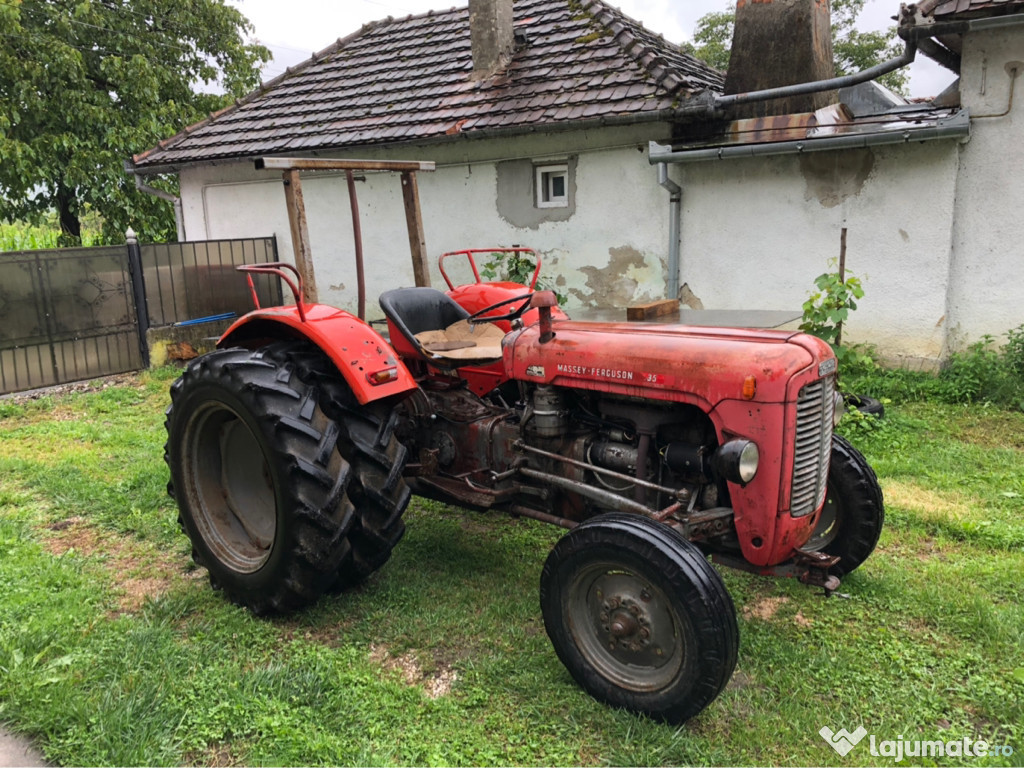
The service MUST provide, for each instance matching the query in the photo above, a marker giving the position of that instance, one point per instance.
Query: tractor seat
(432, 325)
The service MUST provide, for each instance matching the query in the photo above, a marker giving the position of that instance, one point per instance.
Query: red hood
(667, 362)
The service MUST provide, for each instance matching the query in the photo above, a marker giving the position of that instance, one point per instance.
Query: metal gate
(195, 279)
(71, 314)
(66, 315)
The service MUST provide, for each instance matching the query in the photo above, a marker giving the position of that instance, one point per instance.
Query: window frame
(543, 175)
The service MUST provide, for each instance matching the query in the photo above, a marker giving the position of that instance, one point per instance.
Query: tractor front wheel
(639, 617)
(854, 512)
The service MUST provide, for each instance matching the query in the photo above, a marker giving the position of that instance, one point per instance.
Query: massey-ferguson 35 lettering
(295, 447)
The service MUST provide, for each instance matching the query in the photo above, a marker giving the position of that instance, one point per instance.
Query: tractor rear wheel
(639, 617)
(368, 444)
(854, 512)
(286, 487)
(259, 481)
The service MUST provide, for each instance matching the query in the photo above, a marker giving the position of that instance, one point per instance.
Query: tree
(84, 84)
(852, 49)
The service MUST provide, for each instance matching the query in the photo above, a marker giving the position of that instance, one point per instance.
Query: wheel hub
(627, 628)
(625, 623)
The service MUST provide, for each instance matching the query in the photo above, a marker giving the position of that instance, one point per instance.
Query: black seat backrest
(414, 310)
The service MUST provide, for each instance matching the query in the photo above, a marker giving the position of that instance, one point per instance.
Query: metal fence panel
(188, 281)
(65, 315)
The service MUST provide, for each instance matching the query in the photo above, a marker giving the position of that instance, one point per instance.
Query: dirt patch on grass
(435, 684)
(293, 629)
(90, 385)
(764, 609)
(224, 754)
(739, 681)
(139, 572)
(926, 504)
(1002, 429)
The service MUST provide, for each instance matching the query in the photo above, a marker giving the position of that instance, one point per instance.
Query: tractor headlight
(737, 461)
(840, 409)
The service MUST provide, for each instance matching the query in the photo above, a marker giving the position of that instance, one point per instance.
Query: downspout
(833, 83)
(675, 213)
(179, 220)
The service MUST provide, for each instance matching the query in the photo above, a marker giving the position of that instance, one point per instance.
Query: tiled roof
(966, 8)
(408, 80)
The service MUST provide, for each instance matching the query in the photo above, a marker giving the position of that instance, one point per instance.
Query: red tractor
(295, 447)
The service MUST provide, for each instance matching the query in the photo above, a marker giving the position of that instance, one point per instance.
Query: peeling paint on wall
(688, 298)
(832, 177)
(616, 284)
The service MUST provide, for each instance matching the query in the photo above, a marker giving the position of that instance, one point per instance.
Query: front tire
(639, 617)
(854, 512)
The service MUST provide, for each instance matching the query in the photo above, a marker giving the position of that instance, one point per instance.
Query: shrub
(984, 373)
(825, 311)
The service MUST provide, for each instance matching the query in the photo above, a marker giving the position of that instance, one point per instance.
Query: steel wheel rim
(827, 528)
(626, 627)
(231, 487)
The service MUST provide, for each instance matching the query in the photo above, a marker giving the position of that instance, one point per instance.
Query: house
(927, 195)
(545, 126)
(541, 142)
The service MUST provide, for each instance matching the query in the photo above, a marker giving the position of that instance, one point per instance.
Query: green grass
(115, 651)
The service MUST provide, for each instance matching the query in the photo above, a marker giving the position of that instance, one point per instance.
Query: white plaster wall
(756, 232)
(986, 283)
(611, 252)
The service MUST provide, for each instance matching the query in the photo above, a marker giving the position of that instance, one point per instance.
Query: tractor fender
(362, 356)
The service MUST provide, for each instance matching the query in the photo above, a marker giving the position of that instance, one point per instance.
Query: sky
(294, 29)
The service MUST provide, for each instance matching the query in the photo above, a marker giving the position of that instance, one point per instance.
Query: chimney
(780, 43)
(490, 29)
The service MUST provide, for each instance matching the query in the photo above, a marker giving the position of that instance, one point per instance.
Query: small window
(553, 186)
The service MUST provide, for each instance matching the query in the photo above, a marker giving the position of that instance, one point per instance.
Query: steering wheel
(477, 317)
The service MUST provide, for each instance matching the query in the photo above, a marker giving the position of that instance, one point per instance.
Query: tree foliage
(852, 49)
(84, 84)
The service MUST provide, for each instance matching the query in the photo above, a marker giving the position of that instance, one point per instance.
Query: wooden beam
(652, 310)
(329, 164)
(414, 223)
(300, 234)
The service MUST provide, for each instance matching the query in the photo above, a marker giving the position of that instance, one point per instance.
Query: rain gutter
(179, 219)
(956, 126)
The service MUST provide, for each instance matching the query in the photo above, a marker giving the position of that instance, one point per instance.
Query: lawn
(115, 651)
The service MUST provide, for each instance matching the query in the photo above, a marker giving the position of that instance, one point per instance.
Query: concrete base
(170, 343)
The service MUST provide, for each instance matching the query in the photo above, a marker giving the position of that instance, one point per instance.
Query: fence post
(138, 292)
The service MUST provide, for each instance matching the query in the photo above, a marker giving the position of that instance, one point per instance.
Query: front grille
(814, 411)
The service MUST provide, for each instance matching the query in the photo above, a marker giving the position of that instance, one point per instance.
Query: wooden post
(414, 223)
(300, 234)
